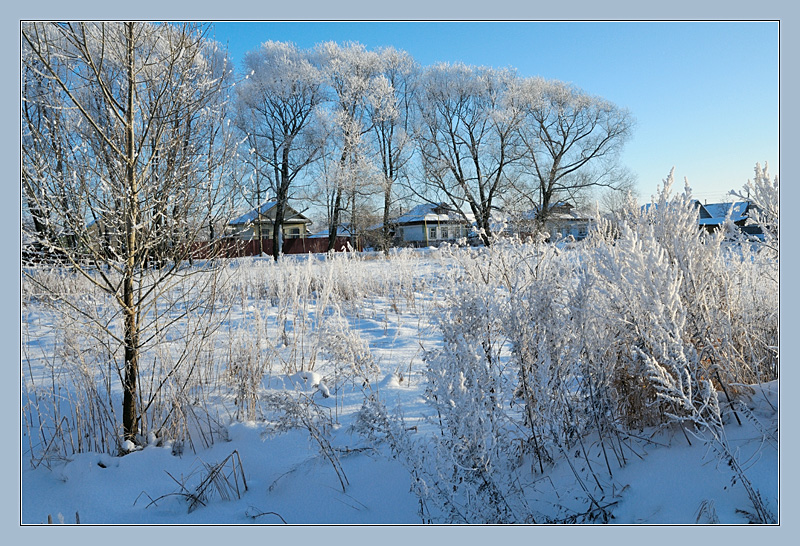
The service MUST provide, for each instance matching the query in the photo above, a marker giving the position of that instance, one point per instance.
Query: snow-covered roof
(262, 210)
(719, 211)
(248, 217)
(558, 211)
(712, 214)
(428, 212)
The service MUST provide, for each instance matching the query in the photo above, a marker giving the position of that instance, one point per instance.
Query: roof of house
(717, 212)
(714, 213)
(558, 211)
(428, 212)
(263, 209)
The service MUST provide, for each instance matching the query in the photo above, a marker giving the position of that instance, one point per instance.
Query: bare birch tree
(135, 102)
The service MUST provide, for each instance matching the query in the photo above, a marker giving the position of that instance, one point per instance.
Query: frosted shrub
(644, 305)
(764, 196)
(471, 461)
(731, 331)
(67, 404)
(508, 386)
(648, 323)
(465, 387)
(560, 344)
(666, 289)
(248, 360)
(540, 330)
(756, 266)
(349, 353)
(752, 295)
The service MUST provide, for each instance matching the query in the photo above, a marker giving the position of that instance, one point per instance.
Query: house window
(444, 233)
(293, 233)
(432, 233)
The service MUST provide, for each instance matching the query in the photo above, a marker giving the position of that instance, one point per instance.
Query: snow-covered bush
(541, 331)
(349, 353)
(248, 360)
(679, 294)
(467, 387)
(652, 322)
(643, 303)
(763, 194)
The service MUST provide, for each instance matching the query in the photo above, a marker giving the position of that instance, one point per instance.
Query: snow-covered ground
(327, 471)
(665, 481)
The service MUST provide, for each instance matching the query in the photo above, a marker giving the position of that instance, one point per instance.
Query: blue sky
(704, 94)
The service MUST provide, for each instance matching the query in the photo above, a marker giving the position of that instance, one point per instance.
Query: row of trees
(338, 126)
(137, 140)
(363, 123)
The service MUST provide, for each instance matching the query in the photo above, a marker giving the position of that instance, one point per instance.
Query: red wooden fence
(237, 248)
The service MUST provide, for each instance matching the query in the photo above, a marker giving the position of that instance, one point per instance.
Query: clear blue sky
(704, 94)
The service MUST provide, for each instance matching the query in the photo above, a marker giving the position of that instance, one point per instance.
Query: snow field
(521, 383)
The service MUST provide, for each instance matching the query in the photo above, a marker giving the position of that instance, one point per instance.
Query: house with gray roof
(258, 222)
(562, 221)
(430, 224)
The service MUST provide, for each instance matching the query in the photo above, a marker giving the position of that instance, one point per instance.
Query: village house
(711, 216)
(430, 224)
(561, 222)
(257, 224)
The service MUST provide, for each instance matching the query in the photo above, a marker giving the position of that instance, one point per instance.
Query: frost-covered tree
(350, 72)
(467, 136)
(571, 140)
(46, 147)
(276, 107)
(137, 103)
(218, 144)
(391, 116)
